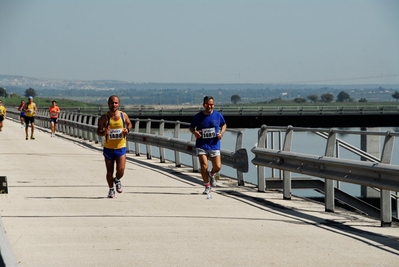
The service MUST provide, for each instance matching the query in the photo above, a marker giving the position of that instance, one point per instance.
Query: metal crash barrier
(84, 126)
(374, 173)
(371, 171)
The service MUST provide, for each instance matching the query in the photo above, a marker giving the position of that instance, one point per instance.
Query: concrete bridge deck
(56, 213)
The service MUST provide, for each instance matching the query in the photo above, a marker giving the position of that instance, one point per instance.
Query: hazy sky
(208, 41)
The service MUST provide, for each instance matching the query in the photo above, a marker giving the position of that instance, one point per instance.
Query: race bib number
(115, 134)
(208, 133)
(53, 114)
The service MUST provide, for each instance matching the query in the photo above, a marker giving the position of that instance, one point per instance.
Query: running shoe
(207, 190)
(118, 185)
(212, 179)
(111, 193)
(32, 138)
(27, 138)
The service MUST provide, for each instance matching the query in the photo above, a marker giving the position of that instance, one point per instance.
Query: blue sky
(208, 41)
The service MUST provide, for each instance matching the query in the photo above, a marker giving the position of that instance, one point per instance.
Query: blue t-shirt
(209, 126)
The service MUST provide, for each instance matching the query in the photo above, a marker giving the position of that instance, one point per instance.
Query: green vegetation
(235, 99)
(43, 102)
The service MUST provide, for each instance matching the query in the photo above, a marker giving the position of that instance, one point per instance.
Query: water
(303, 142)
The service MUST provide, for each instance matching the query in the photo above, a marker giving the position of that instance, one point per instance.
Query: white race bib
(115, 134)
(208, 133)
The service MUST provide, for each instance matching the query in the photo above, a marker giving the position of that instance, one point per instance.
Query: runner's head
(208, 104)
(113, 103)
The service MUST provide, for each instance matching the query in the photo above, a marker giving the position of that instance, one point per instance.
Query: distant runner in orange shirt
(54, 111)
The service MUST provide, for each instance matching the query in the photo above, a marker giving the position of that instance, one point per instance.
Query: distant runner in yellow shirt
(114, 126)
(3, 113)
(30, 112)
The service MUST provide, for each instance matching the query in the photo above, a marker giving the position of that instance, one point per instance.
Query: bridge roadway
(56, 214)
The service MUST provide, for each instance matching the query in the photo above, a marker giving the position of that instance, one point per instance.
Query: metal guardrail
(85, 126)
(382, 174)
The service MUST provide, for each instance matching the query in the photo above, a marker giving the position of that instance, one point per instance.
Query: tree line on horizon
(171, 96)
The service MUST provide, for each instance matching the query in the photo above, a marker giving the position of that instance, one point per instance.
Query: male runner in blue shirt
(208, 126)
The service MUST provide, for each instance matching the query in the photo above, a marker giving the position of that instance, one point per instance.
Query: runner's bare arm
(222, 130)
(101, 130)
(128, 123)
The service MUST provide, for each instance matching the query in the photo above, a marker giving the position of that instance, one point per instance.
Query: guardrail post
(68, 128)
(84, 132)
(148, 147)
(60, 123)
(161, 149)
(371, 145)
(136, 130)
(176, 135)
(90, 134)
(194, 158)
(287, 174)
(240, 174)
(97, 138)
(80, 131)
(328, 183)
(386, 204)
(262, 141)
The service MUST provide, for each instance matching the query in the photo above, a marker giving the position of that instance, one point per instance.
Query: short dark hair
(54, 102)
(112, 96)
(207, 98)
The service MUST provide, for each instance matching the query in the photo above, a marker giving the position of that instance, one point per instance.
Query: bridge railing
(378, 173)
(84, 126)
(382, 174)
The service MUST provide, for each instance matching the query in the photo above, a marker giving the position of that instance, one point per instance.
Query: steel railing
(379, 173)
(84, 126)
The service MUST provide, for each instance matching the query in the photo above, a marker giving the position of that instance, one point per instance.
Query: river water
(303, 142)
